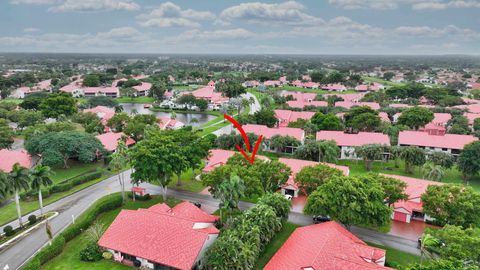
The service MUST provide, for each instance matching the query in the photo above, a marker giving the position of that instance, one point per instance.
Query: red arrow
(245, 138)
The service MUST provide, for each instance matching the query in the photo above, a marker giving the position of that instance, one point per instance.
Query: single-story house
(161, 237)
(102, 112)
(110, 140)
(296, 165)
(350, 104)
(24, 91)
(348, 141)
(326, 246)
(268, 133)
(334, 87)
(215, 99)
(169, 123)
(369, 87)
(300, 104)
(471, 117)
(286, 116)
(412, 208)
(219, 157)
(451, 143)
(8, 158)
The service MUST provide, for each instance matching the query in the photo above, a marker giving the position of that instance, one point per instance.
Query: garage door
(399, 216)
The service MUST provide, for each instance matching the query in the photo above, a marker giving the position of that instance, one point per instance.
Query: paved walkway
(78, 202)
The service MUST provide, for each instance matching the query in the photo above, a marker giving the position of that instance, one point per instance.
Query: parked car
(197, 204)
(320, 219)
(288, 197)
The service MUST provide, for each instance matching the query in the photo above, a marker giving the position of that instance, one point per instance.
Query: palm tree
(433, 172)
(18, 180)
(229, 193)
(328, 151)
(3, 184)
(40, 176)
(426, 241)
(118, 163)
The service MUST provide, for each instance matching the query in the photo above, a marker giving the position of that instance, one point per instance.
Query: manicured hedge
(84, 221)
(62, 186)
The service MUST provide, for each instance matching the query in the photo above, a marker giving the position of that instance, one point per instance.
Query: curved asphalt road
(17, 253)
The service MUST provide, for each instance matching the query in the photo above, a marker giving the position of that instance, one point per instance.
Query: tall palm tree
(18, 180)
(118, 163)
(229, 193)
(426, 241)
(433, 172)
(3, 184)
(40, 177)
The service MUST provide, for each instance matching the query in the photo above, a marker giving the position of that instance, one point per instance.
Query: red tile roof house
(286, 116)
(326, 246)
(142, 89)
(101, 91)
(268, 133)
(296, 165)
(334, 87)
(208, 93)
(8, 158)
(161, 237)
(450, 143)
(350, 104)
(102, 112)
(110, 140)
(369, 87)
(471, 117)
(348, 141)
(169, 123)
(219, 157)
(300, 100)
(412, 208)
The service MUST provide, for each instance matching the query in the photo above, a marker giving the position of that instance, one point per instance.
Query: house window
(128, 257)
(444, 149)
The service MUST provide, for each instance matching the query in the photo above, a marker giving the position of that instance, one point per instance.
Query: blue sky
(240, 27)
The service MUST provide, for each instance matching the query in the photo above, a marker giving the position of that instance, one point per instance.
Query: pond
(185, 118)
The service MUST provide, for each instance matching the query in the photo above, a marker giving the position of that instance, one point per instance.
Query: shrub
(145, 197)
(32, 265)
(32, 219)
(51, 251)
(91, 253)
(8, 230)
(86, 219)
(107, 255)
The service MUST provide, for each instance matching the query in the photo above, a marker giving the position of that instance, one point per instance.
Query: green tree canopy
(326, 121)
(350, 201)
(452, 204)
(57, 104)
(415, 117)
(413, 156)
(57, 148)
(311, 177)
(468, 161)
(362, 118)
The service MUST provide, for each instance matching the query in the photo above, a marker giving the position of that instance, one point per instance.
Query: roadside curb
(28, 230)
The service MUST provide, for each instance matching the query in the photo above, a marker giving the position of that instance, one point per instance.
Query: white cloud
(95, 5)
(227, 34)
(34, 2)
(290, 12)
(169, 14)
(30, 30)
(366, 4)
(439, 5)
(449, 31)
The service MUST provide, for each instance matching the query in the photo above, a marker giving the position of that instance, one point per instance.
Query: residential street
(255, 107)
(75, 204)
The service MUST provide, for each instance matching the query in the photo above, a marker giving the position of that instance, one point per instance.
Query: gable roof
(353, 139)
(415, 186)
(110, 140)
(268, 133)
(419, 138)
(8, 158)
(325, 246)
(164, 238)
(287, 116)
(219, 157)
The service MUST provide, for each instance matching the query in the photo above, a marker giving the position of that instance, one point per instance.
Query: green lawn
(135, 100)
(451, 175)
(14, 100)
(398, 256)
(75, 168)
(275, 244)
(8, 212)
(69, 258)
(188, 182)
